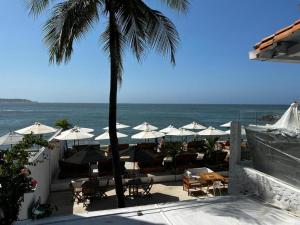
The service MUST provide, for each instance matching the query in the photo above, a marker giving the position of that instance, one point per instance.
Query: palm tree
(63, 123)
(130, 23)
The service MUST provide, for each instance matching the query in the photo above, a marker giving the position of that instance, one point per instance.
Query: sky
(212, 63)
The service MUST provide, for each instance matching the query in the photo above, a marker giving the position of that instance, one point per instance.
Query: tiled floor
(160, 193)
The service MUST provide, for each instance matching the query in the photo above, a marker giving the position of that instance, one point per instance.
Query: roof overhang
(283, 46)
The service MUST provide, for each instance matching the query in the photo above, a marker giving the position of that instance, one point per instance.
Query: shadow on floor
(111, 202)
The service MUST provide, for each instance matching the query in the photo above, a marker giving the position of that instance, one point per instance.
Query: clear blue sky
(212, 59)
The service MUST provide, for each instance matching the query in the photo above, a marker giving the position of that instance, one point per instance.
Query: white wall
(44, 168)
(245, 180)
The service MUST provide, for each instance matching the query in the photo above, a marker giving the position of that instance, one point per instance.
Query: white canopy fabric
(10, 138)
(105, 136)
(181, 132)
(81, 129)
(289, 120)
(148, 134)
(118, 126)
(194, 126)
(37, 128)
(168, 129)
(288, 123)
(145, 126)
(211, 131)
(228, 124)
(74, 134)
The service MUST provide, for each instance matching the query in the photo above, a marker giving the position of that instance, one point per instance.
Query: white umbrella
(74, 134)
(211, 131)
(10, 138)
(105, 136)
(194, 126)
(181, 132)
(37, 128)
(145, 126)
(118, 126)
(168, 129)
(228, 124)
(81, 129)
(148, 134)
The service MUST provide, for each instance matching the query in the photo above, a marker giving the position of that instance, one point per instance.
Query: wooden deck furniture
(192, 185)
(212, 179)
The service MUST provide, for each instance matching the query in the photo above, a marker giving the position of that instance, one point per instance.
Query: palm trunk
(114, 72)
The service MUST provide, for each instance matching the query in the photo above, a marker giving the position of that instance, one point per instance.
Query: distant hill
(15, 100)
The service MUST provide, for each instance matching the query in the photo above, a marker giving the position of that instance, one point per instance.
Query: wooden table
(133, 187)
(211, 177)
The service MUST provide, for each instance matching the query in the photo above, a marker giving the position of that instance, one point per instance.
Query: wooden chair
(147, 188)
(190, 185)
(217, 185)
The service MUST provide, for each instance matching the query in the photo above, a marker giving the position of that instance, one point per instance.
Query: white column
(235, 157)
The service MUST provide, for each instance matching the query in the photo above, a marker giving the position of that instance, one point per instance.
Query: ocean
(16, 116)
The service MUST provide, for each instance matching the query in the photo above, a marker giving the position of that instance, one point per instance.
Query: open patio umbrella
(105, 136)
(181, 132)
(227, 125)
(194, 126)
(118, 126)
(168, 129)
(74, 134)
(11, 138)
(148, 134)
(86, 157)
(37, 128)
(145, 126)
(211, 131)
(81, 129)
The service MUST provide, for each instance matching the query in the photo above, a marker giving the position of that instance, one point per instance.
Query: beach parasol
(36, 128)
(194, 126)
(145, 126)
(227, 125)
(74, 134)
(105, 136)
(148, 134)
(11, 138)
(81, 129)
(211, 131)
(168, 129)
(181, 132)
(118, 126)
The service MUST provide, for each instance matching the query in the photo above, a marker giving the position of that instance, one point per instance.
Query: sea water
(17, 116)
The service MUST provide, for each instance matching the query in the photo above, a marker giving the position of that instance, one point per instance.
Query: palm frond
(160, 32)
(178, 5)
(69, 21)
(133, 25)
(36, 7)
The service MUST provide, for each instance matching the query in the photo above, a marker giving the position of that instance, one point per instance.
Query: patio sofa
(187, 160)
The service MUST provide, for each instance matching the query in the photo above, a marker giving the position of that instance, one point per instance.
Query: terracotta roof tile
(277, 36)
